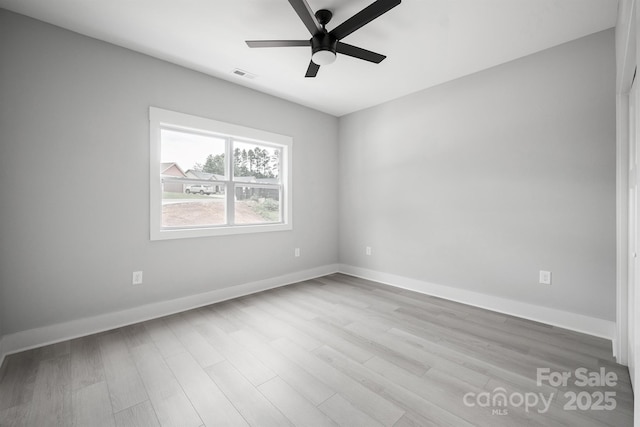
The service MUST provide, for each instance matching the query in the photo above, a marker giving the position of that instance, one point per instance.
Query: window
(212, 178)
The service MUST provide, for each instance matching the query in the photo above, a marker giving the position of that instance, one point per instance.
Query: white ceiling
(427, 42)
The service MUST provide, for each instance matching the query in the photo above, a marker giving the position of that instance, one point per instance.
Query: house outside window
(211, 178)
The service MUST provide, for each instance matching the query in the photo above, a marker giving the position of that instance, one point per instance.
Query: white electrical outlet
(367, 250)
(545, 277)
(297, 252)
(137, 278)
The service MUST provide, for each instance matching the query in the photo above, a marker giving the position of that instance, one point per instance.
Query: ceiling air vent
(245, 74)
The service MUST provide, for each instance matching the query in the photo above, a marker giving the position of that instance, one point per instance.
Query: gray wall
(74, 162)
(482, 182)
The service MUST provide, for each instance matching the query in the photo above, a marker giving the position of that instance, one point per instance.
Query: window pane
(257, 205)
(193, 209)
(256, 163)
(195, 155)
(187, 156)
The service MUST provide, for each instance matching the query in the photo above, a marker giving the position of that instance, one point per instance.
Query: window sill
(182, 233)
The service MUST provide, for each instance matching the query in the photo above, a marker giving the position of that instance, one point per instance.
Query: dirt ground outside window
(209, 212)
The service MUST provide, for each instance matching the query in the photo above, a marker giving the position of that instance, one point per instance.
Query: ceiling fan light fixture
(323, 57)
(323, 48)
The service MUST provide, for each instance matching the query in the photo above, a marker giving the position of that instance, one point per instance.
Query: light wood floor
(331, 351)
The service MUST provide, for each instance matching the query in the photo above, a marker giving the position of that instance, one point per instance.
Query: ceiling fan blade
(312, 70)
(278, 43)
(358, 52)
(306, 15)
(363, 17)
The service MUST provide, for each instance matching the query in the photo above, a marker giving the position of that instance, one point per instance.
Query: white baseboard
(46, 335)
(551, 316)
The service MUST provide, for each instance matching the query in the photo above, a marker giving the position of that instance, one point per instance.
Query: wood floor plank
(353, 350)
(250, 366)
(136, 334)
(259, 320)
(484, 349)
(351, 296)
(276, 295)
(411, 419)
(51, 404)
(459, 364)
(552, 337)
(394, 392)
(404, 356)
(15, 416)
(19, 376)
(366, 400)
(196, 316)
(140, 415)
(296, 408)
(441, 397)
(304, 383)
(213, 407)
(164, 338)
(513, 368)
(341, 315)
(204, 353)
(528, 341)
(273, 327)
(252, 405)
(343, 413)
(86, 362)
(92, 407)
(500, 357)
(223, 320)
(321, 288)
(125, 385)
(52, 351)
(172, 406)
(370, 314)
(463, 328)
(420, 354)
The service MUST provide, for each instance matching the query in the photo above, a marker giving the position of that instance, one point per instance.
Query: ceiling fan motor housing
(323, 48)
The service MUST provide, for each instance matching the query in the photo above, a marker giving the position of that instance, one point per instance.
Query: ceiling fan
(326, 44)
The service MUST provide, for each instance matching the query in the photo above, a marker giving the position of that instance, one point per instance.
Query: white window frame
(160, 118)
